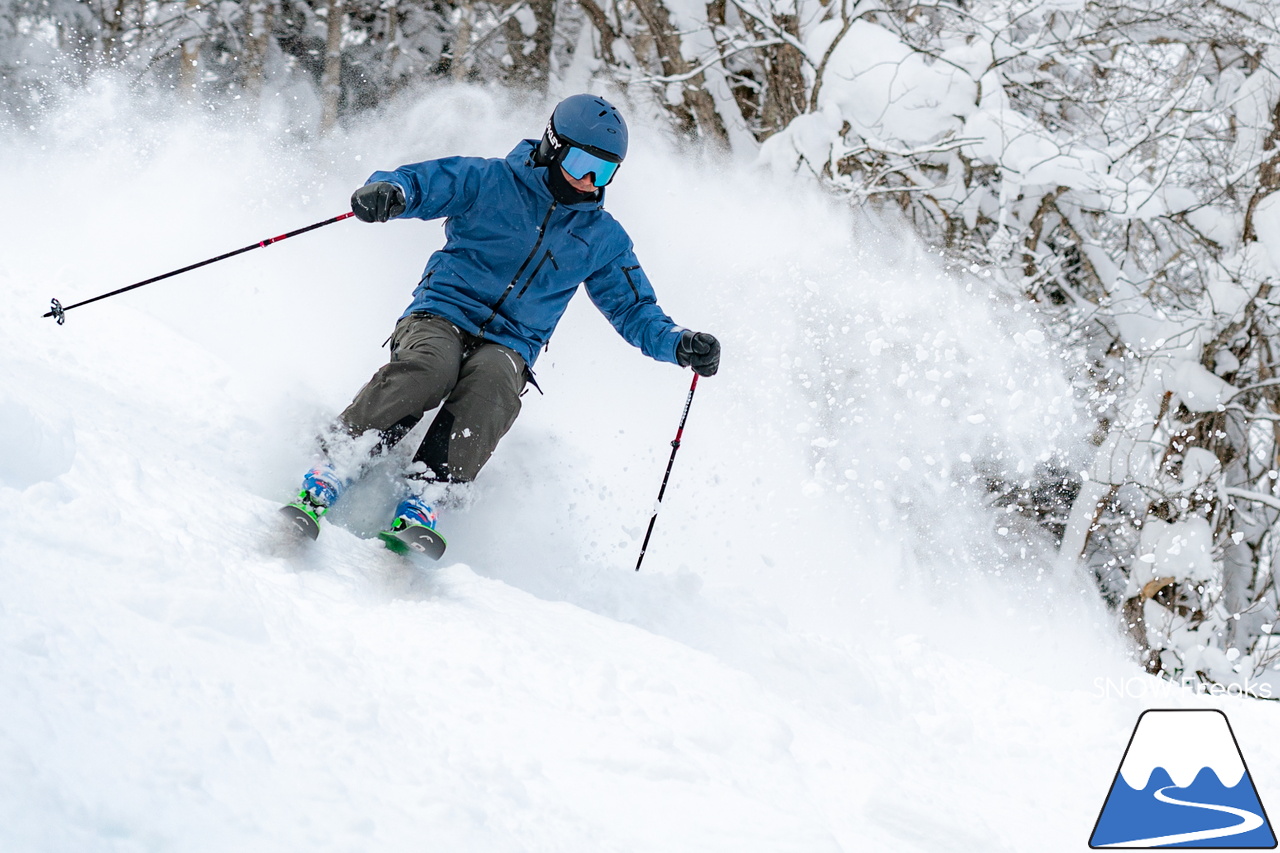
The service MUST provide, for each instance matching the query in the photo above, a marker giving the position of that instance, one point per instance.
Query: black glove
(377, 202)
(699, 351)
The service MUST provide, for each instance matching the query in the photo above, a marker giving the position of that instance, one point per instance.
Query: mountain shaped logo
(1183, 783)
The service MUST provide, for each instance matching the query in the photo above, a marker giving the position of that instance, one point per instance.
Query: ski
(414, 539)
(301, 522)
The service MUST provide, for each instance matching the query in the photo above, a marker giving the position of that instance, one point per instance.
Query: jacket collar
(535, 177)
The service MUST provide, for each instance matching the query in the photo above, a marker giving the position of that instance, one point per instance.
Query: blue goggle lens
(579, 164)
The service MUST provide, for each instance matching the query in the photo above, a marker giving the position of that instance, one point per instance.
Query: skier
(522, 233)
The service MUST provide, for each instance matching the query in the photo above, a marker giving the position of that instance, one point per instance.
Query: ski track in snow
(825, 634)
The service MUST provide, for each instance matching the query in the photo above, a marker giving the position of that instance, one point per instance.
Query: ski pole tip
(57, 311)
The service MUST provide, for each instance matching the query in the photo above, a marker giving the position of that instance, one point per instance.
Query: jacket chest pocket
(547, 256)
(574, 255)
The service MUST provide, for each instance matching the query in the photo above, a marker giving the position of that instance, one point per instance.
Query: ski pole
(58, 311)
(675, 445)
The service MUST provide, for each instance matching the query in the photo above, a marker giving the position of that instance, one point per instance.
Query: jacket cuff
(677, 332)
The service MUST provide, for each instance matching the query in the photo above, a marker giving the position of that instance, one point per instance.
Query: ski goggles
(579, 164)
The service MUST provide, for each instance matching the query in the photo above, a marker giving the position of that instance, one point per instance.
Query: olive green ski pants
(433, 362)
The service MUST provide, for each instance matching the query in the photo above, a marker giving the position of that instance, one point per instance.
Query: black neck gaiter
(562, 191)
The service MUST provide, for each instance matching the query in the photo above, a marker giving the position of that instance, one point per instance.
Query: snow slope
(832, 646)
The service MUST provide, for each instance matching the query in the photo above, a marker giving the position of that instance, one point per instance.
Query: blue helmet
(592, 126)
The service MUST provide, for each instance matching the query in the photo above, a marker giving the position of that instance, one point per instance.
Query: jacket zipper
(542, 232)
(528, 281)
(627, 272)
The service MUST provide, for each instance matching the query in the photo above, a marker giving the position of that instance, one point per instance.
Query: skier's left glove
(700, 351)
(377, 202)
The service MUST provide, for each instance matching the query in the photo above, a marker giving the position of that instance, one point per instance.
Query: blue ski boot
(321, 488)
(414, 529)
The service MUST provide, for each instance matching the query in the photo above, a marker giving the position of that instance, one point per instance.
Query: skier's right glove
(377, 202)
(700, 351)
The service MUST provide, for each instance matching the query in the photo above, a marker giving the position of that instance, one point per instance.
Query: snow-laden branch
(706, 64)
(775, 30)
(1255, 497)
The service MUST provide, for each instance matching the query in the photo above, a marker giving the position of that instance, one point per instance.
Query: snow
(1207, 742)
(912, 97)
(1181, 550)
(48, 446)
(828, 631)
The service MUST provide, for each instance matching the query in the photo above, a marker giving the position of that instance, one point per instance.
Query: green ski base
(414, 539)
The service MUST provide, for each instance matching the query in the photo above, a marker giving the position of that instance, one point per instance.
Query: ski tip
(414, 539)
(300, 522)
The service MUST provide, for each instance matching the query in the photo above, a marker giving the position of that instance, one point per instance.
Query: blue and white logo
(1183, 783)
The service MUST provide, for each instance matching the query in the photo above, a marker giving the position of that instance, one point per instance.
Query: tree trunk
(259, 19)
(608, 35)
(461, 42)
(698, 115)
(113, 28)
(1268, 174)
(531, 53)
(331, 78)
(784, 95)
(391, 57)
(189, 71)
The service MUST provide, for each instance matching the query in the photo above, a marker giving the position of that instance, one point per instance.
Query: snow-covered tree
(1113, 161)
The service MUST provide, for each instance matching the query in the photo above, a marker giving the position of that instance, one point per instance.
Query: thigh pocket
(497, 374)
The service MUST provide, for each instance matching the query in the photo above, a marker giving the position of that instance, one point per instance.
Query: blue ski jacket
(514, 256)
